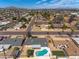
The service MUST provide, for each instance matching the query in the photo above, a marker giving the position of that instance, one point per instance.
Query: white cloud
(38, 2)
(59, 4)
(41, 1)
(54, 1)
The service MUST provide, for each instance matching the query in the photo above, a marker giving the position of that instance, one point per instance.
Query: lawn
(58, 53)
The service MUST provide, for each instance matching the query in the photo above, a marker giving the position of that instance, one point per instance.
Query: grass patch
(58, 53)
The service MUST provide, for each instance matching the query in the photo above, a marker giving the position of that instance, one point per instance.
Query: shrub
(30, 52)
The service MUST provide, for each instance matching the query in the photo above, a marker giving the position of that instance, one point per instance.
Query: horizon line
(37, 8)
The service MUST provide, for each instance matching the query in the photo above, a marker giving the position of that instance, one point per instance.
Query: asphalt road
(30, 25)
(35, 33)
(41, 23)
(53, 33)
(38, 33)
(12, 33)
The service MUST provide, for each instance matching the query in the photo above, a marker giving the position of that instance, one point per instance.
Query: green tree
(58, 19)
(72, 30)
(72, 18)
(50, 24)
(30, 52)
(23, 26)
(31, 13)
(23, 19)
(16, 48)
(46, 15)
(14, 18)
(29, 35)
(64, 27)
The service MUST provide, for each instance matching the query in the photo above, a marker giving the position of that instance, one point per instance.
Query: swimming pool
(42, 52)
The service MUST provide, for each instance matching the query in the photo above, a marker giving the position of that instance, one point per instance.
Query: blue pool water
(41, 53)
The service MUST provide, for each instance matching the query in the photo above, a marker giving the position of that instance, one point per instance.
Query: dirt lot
(70, 47)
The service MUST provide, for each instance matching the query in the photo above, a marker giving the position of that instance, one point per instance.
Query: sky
(40, 3)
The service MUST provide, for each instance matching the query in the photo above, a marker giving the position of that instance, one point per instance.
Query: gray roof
(13, 42)
(37, 41)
